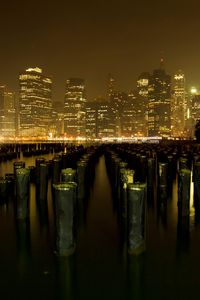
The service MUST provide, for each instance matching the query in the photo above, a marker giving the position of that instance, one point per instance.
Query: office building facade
(7, 113)
(141, 104)
(178, 105)
(129, 116)
(74, 108)
(91, 112)
(117, 102)
(159, 104)
(35, 103)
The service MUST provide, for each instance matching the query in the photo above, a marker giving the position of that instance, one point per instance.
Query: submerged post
(22, 192)
(10, 178)
(3, 190)
(68, 175)
(38, 161)
(18, 165)
(196, 177)
(81, 171)
(43, 181)
(163, 184)
(64, 205)
(136, 218)
(184, 178)
(56, 165)
(126, 177)
(151, 173)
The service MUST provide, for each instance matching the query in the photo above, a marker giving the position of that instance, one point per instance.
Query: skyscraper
(106, 127)
(141, 103)
(195, 112)
(117, 101)
(57, 127)
(91, 119)
(129, 127)
(35, 103)
(74, 108)
(159, 106)
(7, 113)
(178, 105)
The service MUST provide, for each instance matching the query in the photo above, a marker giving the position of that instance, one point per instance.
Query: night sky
(91, 39)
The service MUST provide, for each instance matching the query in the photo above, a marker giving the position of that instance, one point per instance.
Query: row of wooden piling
(67, 173)
(131, 201)
(138, 173)
(13, 151)
(153, 169)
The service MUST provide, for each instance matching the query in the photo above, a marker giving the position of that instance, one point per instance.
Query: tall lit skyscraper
(195, 112)
(141, 103)
(190, 101)
(129, 127)
(74, 108)
(105, 123)
(117, 101)
(57, 127)
(159, 107)
(7, 113)
(35, 103)
(178, 105)
(142, 84)
(91, 119)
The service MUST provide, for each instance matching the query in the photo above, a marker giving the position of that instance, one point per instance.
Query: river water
(100, 267)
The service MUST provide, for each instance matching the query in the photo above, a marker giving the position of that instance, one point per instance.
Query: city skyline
(160, 106)
(90, 39)
(104, 94)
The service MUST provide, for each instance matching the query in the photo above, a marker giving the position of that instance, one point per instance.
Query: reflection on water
(100, 267)
(23, 247)
(65, 278)
(183, 235)
(135, 277)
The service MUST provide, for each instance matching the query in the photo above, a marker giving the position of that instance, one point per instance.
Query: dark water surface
(100, 267)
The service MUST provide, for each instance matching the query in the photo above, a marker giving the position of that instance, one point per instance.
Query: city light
(157, 108)
(193, 90)
(37, 70)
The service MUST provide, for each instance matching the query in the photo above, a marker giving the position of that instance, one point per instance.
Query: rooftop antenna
(161, 61)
